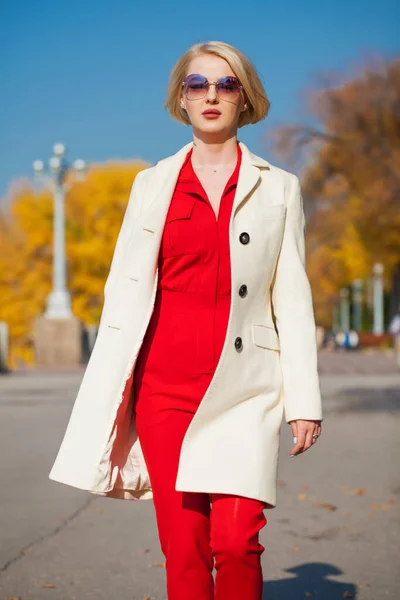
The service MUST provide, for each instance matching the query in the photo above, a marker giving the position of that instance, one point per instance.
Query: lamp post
(344, 310)
(378, 320)
(357, 304)
(59, 302)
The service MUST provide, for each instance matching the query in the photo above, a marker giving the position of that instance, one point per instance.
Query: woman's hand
(305, 435)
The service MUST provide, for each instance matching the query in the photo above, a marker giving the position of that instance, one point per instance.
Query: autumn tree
(350, 162)
(94, 209)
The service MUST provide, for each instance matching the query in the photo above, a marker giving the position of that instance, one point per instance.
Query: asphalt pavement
(334, 534)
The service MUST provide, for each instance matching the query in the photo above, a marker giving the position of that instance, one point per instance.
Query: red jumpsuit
(177, 360)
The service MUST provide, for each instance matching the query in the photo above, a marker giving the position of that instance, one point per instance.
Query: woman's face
(229, 108)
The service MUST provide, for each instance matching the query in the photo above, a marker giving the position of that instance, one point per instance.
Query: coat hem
(117, 493)
(218, 490)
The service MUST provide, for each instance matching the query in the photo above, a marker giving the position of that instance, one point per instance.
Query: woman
(207, 336)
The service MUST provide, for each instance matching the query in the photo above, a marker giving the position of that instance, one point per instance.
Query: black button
(244, 237)
(238, 343)
(243, 290)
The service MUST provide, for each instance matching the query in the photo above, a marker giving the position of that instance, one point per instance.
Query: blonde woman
(207, 338)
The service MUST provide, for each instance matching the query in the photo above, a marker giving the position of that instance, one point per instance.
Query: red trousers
(197, 528)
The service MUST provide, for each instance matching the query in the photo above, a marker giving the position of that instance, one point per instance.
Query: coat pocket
(265, 336)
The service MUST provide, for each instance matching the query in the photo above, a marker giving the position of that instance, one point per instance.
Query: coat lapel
(166, 174)
(249, 176)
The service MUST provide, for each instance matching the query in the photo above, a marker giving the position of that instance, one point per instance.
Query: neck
(214, 153)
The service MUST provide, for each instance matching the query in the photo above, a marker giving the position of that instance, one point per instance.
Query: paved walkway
(357, 362)
(333, 535)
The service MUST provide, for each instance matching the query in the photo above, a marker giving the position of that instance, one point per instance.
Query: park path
(333, 535)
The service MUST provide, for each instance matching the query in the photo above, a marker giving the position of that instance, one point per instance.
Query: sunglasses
(197, 86)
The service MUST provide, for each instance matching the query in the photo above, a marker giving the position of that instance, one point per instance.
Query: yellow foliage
(94, 209)
(351, 180)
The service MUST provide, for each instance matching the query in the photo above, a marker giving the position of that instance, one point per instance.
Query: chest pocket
(182, 230)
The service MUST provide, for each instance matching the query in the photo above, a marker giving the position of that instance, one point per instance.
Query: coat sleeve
(132, 212)
(294, 316)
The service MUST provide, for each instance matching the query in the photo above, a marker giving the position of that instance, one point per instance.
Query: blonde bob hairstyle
(254, 93)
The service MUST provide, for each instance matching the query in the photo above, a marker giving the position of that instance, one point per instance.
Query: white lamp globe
(59, 150)
(55, 163)
(38, 166)
(79, 164)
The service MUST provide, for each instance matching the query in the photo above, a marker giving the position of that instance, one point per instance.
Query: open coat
(232, 443)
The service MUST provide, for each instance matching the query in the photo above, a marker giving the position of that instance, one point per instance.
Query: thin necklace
(209, 166)
(212, 167)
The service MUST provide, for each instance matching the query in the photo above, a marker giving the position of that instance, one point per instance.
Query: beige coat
(232, 443)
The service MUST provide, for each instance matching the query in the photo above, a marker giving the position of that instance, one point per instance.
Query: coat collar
(165, 176)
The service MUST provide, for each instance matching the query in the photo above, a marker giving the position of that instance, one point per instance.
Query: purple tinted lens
(196, 84)
(228, 85)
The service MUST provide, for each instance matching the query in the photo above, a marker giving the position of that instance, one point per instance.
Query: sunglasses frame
(215, 83)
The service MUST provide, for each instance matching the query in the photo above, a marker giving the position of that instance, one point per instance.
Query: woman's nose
(212, 94)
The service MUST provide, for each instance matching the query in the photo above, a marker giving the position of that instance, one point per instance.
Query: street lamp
(344, 309)
(59, 301)
(357, 304)
(378, 321)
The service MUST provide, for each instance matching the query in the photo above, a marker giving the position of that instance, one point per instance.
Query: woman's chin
(211, 127)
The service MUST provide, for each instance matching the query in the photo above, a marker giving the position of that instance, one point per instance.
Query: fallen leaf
(295, 548)
(47, 585)
(371, 516)
(157, 564)
(347, 595)
(365, 585)
(391, 501)
(99, 510)
(305, 486)
(147, 598)
(326, 506)
(374, 506)
(359, 492)
(145, 550)
(385, 507)
(354, 491)
(308, 594)
(16, 598)
(301, 496)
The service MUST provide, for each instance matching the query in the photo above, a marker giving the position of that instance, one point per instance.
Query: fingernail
(295, 440)
(292, 455)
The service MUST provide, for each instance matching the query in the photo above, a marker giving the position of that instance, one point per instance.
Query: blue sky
(93, 74)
